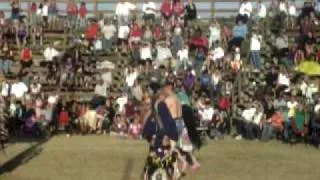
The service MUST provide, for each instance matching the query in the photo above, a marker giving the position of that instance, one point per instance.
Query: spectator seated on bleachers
(50, 53)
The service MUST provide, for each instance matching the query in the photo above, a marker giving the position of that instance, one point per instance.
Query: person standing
(190, 12)
(72, 11)
(15, 10)
(149, 11)
(123, 10)
(255, 46)
(53, 12)
(82, 14)
(45, 13)
(245, 11)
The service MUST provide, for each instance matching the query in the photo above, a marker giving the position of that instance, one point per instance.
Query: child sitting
(119, 126)
(135, 129)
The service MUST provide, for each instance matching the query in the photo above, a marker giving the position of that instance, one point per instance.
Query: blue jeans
(255, 59)
(5, 65)
(180, 125)
(267, 132)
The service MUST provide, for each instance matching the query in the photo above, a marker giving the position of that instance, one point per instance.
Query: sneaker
(195, 167)
(239, 137)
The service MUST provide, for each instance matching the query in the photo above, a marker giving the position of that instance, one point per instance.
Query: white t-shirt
(248, 114)
(255, 44)
(52, 99)
(163, 53)
(245, 9)
(150, 5)
(206, 114)
(130, 79)
(49, 53)
(121, 101)
(215, 34)
(283, 7)
(45, 10)
(257, 118)
(292, 11)
(5, 89)
(35, 88)
(108, 31)
(283, 80)
(123, 32)
(98, 44)
(217, 53)
(183, 54)
(145, 53)
(19, 89)
(262, 11)
(123, 9)
(101, 89)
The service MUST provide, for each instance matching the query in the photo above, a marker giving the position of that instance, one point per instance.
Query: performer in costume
(185, 133)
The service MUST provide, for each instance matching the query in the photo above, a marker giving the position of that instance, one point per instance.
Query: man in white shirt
(217, 53)
(45, 11)
(50, 53)
(255, 45)
(183, 55)
(123, 9)
(18, 90)
(244, 11)
(108, 30)
(163, 53)
(283, 7)
(121, 102)
(145, 51)
(207, 112)
(262, 10)
(101, 89)
(149, 10)
(131, 78)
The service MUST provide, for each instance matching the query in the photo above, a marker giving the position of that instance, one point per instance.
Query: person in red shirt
(26, 58)
(82, 14)
(135, 35)
(92, 32)
(157, 33)
(166, 11)
(178, 11)
(72, 12)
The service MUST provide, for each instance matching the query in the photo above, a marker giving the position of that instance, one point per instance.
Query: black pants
(242, 18)
(236, 41)
(26, 64)
(149, 17)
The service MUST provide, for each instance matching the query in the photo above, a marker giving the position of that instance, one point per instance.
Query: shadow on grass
(127, 170)
(23, 157)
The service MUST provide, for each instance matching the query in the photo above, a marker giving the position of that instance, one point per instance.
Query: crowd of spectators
(238, 74)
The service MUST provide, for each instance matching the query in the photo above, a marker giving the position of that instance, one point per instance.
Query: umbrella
(310, 68)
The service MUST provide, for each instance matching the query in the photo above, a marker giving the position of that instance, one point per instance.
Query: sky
(111, 6)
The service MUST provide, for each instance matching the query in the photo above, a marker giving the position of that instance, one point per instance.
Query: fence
(206, 8)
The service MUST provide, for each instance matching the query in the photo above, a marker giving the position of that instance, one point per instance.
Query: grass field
(110, 158)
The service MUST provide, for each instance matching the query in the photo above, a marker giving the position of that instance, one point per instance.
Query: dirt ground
(103, 157)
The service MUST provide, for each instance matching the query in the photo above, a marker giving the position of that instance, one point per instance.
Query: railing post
(213, 9)
(95, 8)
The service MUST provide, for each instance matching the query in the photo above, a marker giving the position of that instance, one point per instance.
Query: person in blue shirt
(239, 32)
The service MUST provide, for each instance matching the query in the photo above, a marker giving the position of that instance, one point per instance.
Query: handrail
(211, 9)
